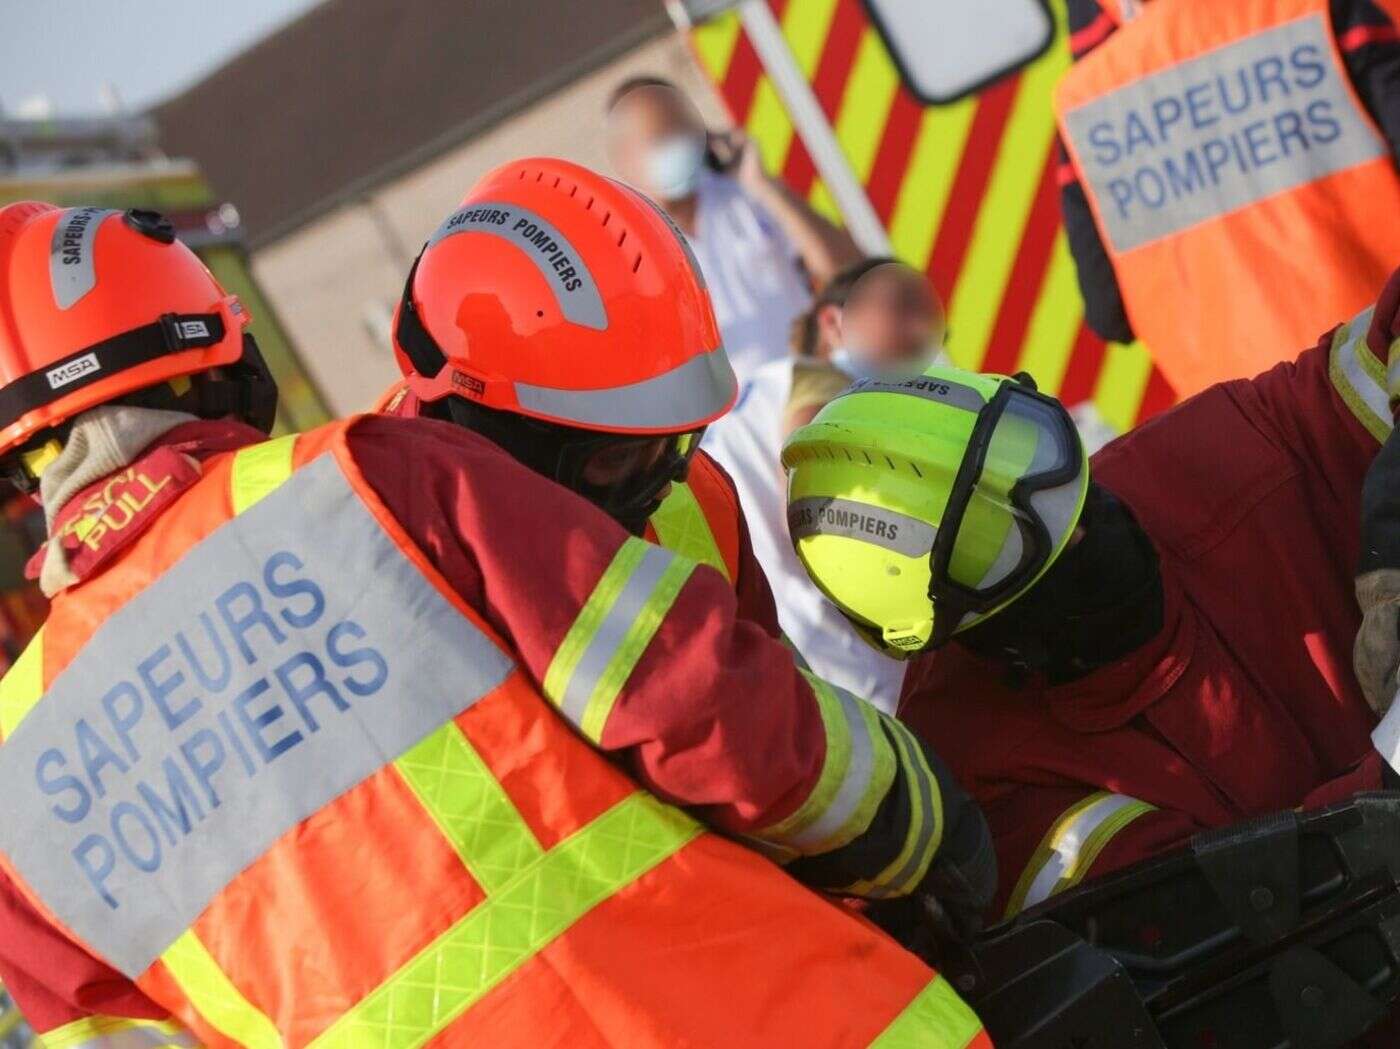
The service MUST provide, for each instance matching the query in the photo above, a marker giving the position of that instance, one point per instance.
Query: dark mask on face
(1101, 600)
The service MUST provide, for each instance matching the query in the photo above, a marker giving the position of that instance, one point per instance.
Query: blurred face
(892, 318)
(656, 140)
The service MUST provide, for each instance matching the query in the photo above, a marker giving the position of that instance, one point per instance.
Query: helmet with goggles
(924, 506)
(562, 315)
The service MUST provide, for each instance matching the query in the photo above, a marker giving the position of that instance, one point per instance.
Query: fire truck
(926, 127)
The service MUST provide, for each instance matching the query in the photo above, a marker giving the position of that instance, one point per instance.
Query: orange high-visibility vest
(270, 766)
(1244, 194)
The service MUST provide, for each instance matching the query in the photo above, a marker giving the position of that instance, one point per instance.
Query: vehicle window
(945, 50)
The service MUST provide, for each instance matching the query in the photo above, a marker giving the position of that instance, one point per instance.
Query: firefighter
(370, 733)
(1223, 169)
(1113, 656)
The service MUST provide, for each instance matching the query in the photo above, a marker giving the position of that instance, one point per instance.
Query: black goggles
(1004, 516)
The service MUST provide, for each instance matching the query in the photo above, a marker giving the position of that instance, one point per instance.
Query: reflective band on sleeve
(22, 686)
(215, 998)
(115, 1032)
(1359, 379)
(262, 675)
(936, 1019)
(514, 924)
(925, 832)
(607, 640)
(1068, 851)
(260, 469)
(857, 770)
(470, 807)
(681, 526)
(1203, 137)
(683, 398)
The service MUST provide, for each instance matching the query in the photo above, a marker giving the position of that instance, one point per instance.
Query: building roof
(358, 91)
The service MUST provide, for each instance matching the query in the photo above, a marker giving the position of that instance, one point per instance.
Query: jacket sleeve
(1050, 839)
(1370, 45)
(645, 653)
(55, 983)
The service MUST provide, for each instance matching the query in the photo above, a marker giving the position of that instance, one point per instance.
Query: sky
(66, 51)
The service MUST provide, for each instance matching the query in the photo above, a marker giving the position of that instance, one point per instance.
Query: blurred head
(656, 138)
(890, 323)
(100, 307)
(560, 314)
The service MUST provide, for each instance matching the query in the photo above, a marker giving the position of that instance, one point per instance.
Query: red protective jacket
(1245, 703)
(528, 556)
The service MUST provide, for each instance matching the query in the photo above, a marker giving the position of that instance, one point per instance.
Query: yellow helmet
(922, 507)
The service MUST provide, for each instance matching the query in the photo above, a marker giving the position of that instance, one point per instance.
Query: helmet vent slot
(622, 239)
(638, 264)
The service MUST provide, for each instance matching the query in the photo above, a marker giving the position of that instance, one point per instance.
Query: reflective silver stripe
(943, 391)
(1065, 852)
(197, 707)
(1200, 139)
(688, 396)
(821, 515)
(635, 593)
(854, 785)
(71, 271)
(922, 784)
(1349, 346)
(142, 1037)
(558, 261)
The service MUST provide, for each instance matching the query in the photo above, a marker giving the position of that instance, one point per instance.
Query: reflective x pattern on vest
(513, 924)
(681, 527)
(469, 806)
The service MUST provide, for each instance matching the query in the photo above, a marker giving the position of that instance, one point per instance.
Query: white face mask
(858, 366)
(673, 166)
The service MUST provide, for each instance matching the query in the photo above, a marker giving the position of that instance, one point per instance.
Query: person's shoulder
(387, 446)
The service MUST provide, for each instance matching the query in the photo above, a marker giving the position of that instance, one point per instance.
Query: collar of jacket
(1111, 696)
(103, 447)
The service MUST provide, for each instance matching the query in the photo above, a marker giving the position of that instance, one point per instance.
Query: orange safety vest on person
(700, 518)
(1244, 194)
(254, 807)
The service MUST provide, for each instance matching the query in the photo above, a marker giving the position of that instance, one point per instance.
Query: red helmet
(95, 304)
(556, 293)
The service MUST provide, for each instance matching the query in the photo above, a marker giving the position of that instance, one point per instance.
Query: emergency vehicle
(927, 128)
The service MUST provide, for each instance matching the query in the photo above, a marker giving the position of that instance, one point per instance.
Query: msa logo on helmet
(72, 371)
(468, 384)
(193, 330)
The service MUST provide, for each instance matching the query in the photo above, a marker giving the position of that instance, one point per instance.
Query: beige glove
(1376, 656)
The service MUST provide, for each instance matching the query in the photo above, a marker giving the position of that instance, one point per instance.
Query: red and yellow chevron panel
(967, 192)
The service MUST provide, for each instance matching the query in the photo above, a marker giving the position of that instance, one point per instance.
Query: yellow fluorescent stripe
(835, 762)
(509, 928)
(823, 203)
(634, 643)
(1006, 205)
(714, 42)
(1121, 384)
(1055, 321)
(769, 125)
(1098, 841)
(928, 180)
(936, 1019)
(215, 997)
(258, 470)
(22, 686)
(469, 806)
(595, 610)
(681, 527)
(94, 1031)
(865, 104)
(805, 26)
